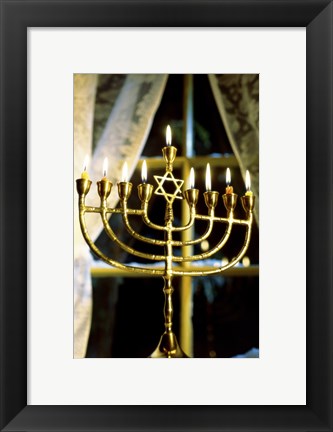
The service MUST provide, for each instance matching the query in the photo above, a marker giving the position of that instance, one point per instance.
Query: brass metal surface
(211, 199)
(248, 202)
(124, 190)
(230, 201)
(169, 154)
(145, 191)
(83, 186)
(104, 188)
(191, 196)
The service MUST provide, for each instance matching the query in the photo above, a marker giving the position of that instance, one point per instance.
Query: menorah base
(168, 347)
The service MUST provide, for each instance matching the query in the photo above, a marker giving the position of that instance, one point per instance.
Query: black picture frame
(16, 17)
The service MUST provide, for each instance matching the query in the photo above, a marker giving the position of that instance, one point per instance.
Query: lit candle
(229, 189)
(191, 194)
(248, 184)
(168, 136)
(84, 174)
(105, 168)
(124, 175)
(144, 175)
(208, 178)
(192, 181)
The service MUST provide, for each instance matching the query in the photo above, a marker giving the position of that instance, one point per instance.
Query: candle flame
(85, 163)
(208, 178)
(144, 172)
(124, 175)
(192, 178)
(105, 166)
(228, 177)
(168, 136)
(247, 180)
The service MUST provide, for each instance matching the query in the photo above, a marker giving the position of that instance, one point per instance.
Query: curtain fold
(84, 102)
(135, 102)
(237, 99)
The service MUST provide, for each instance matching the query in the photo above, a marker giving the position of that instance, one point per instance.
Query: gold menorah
(168, 346)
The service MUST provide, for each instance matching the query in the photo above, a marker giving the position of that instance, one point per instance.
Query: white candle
(229, 189)
(208, 178)
(144, 174)
(192, 181)
(228, 177)
(168, 136)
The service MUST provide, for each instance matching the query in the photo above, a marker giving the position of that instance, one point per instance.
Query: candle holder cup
(145, 192)
(104, 189)
(124, 190)
(169, 154)
(248, 202)
(83, 186)
(191, 196)
(230, 201)
(211, 199)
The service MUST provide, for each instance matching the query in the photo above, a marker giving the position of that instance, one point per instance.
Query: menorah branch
(124, 246)
(179, 243)
(110, 261)
(200, 239)
(220, 269)
(188, 225)
(210, 252)
(139, 236)
(221, 219)
(150, 224)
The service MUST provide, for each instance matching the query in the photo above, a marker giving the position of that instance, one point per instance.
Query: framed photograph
(215, 399)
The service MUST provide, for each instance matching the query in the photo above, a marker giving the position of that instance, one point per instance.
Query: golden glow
(208, 178)
(124, 175)
(204, 245)
(105, 167)
(168, 136)
(192, 181)
(144, 174)
(228, 177)
(246, 261)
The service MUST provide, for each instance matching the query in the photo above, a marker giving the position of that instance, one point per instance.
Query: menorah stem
(168, 307)
(168, 214)
(168, 346)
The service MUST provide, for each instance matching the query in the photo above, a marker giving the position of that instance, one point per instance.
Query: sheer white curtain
(123, 138)
(237, 99)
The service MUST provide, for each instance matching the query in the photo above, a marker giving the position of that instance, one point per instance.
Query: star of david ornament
(168, 177)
